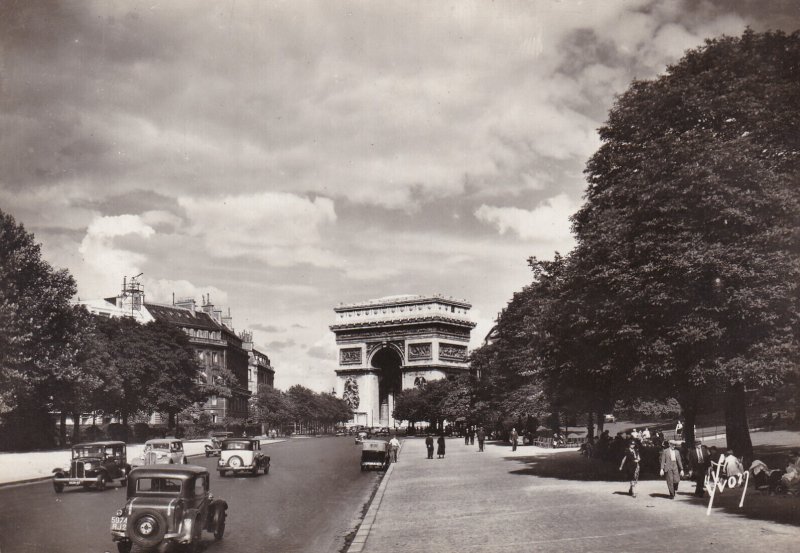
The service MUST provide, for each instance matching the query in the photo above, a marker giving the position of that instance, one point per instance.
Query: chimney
(187, 303)
(227, 320)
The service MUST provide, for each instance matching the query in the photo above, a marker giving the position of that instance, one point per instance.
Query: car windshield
(87, 451)
(158, 485)
(227, 446)
(157, 446)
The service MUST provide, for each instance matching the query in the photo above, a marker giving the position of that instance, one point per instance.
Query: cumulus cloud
(279, 228)
(549, 222)
(162, 290)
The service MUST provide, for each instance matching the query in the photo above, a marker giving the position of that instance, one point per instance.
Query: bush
(116, 431)
(141, 432)
(92, 434)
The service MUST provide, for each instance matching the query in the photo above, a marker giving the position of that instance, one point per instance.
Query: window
(213, 401)
(200, 487)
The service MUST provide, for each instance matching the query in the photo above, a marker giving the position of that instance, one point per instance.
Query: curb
(360, 539)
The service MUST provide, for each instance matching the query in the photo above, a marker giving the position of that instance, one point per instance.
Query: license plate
(119, 523)
(74, 482)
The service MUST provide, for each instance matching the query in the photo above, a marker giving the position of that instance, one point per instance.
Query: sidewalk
(37, 465)
(493, 502)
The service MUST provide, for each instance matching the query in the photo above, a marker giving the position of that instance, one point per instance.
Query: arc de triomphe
(394, 343)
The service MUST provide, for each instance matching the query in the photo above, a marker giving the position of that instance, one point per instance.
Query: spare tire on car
(147, 528)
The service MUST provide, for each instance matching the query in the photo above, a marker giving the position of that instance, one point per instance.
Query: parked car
(93, 464)
(166, 451)
(167, 504)
(214, 448)
(242, 455)
(609, 418)
(361, 436)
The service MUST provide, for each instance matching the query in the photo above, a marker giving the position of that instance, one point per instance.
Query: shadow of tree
(759, 505)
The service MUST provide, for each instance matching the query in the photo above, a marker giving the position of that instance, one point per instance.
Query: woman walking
(631, 459)
(440, 447)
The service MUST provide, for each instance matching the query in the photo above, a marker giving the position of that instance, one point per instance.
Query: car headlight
(87, 466)
(119, 512)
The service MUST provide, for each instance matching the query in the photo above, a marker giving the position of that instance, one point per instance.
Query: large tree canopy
(690, 224)
(34, 314)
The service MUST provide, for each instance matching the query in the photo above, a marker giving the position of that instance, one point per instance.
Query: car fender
(58, 471)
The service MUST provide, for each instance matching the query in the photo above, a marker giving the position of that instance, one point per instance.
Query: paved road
(309, 501)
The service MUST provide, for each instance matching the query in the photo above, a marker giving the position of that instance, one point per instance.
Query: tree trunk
(76, 428)
(63, 429)
(689, 418)
(737, 434)
(171, 421)
(590, 425)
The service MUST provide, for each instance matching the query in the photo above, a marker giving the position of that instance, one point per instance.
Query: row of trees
(59, 358)
(309, 411)
(684, 281)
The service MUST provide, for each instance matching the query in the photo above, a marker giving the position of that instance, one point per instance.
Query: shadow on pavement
(570, 465)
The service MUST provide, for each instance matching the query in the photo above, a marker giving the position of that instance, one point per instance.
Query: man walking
(429, 445)
(481, 438)
(514, 438)
(699, 461)
(671, 468)
(394, 447)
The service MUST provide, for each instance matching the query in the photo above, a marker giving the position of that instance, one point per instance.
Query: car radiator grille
(150, 458)
(76, 470)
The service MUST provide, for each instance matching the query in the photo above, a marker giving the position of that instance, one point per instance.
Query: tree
(177, 383)
(34, 306)
(690, 223)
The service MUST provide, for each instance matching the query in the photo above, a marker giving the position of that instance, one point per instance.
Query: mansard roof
(181, 316)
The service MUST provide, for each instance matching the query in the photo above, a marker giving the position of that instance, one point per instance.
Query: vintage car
(165, 451)
(242, 455)
(214, 448)
(166, 505)
(374, 454)
(361, 436)
(93, 464)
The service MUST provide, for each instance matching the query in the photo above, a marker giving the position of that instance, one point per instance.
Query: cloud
(266, 328)
(549, 222)
(162, 290)
(279, 228)
(98, 248)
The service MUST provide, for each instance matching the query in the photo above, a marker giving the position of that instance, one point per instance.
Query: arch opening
(390, 381)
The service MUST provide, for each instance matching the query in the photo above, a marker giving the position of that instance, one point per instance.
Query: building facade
(212, 337)
(394, 343)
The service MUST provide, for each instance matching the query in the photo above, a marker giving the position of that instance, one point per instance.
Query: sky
(286, 157)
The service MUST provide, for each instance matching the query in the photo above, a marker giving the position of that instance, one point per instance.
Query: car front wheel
(101, 483)
(58, 487)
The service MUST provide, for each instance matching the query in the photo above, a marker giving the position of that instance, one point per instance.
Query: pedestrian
(514, 438)
(394, 447)
(440, 446)
(466, 436)
(631, 459)
(699, 462)
(671, 468)
(429, 445)
(679, 430)
(471, 435)
(481, 438)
